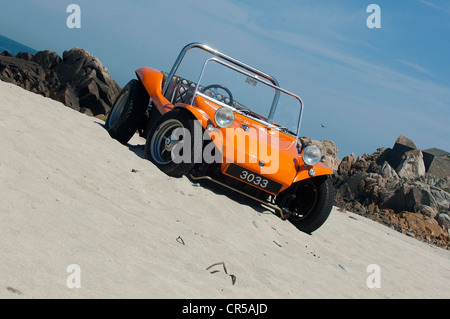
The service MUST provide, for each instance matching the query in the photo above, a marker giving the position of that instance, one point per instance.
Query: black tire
(127, 111)
(314, 200)
(159, 144)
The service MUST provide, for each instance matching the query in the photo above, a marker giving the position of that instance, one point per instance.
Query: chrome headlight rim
(224, 117)
(312, 155)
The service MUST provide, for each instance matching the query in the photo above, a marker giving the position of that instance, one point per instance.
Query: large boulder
(388, 172)
(78, 80)
(401, 146)
(412, 165)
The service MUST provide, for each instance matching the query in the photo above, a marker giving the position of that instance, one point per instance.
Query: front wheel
(171, 143)
(313, 202)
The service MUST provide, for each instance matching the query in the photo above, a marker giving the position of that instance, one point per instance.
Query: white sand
(68, 196)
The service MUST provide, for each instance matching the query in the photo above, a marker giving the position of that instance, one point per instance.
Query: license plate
(253, 179)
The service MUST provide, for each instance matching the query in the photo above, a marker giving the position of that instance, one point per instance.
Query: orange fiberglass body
(251, 153)
(291, 167)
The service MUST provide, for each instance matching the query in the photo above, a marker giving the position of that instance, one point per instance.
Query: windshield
(248, 94)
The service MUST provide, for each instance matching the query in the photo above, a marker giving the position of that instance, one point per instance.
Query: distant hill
(437, 151)
(441, 163)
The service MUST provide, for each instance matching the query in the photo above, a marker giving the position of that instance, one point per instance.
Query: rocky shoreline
(78, 79)
(413, 198)
(402, 187)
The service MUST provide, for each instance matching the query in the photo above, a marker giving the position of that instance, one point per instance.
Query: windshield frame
(277, 89)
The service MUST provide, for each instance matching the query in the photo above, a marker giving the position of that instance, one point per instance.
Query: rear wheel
(127, 111)
(312, 205)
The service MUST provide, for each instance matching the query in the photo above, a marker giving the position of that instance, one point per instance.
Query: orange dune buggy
(235, 126)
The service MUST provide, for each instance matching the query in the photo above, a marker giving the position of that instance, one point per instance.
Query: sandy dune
(69, 194)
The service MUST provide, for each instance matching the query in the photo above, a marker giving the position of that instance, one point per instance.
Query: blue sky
(366, 86)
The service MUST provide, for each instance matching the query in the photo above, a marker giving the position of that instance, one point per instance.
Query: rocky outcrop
(395, 187)
(78, 79)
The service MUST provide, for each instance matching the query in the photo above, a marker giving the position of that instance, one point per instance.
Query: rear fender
(152, 80)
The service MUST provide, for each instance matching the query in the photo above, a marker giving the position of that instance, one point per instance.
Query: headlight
(224, 117)
(312, 155)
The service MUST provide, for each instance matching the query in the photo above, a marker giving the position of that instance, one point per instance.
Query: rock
(412, 166)
(46, 59)
(443, 220)
(346, 164)
(404, 141)
(78, 80)
(441, 197)
(6, 53)
(426, 211)
(353, 187)
(428, 159)
(25, 56)
(360, 165)
(397, 200)
(388, 172)
(67, 95)
(421, 225)
(94, 85)
(417, 196)
(402, 147)
(443, 183)
(411, 198)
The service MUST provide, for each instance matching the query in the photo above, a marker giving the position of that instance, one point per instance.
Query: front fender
(319, 169)
(204, 119)
(198, 113)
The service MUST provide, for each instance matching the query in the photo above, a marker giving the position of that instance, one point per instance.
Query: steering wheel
(220, 97)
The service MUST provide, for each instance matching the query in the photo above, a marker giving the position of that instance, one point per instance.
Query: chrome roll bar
(242, 65)
(221, 55)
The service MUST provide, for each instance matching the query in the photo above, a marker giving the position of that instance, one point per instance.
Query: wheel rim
(161, 144)
(117, 109)
(307, 196)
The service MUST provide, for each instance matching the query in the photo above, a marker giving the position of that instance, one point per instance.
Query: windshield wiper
(246, 111)
(254, 114)
(284, 129)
